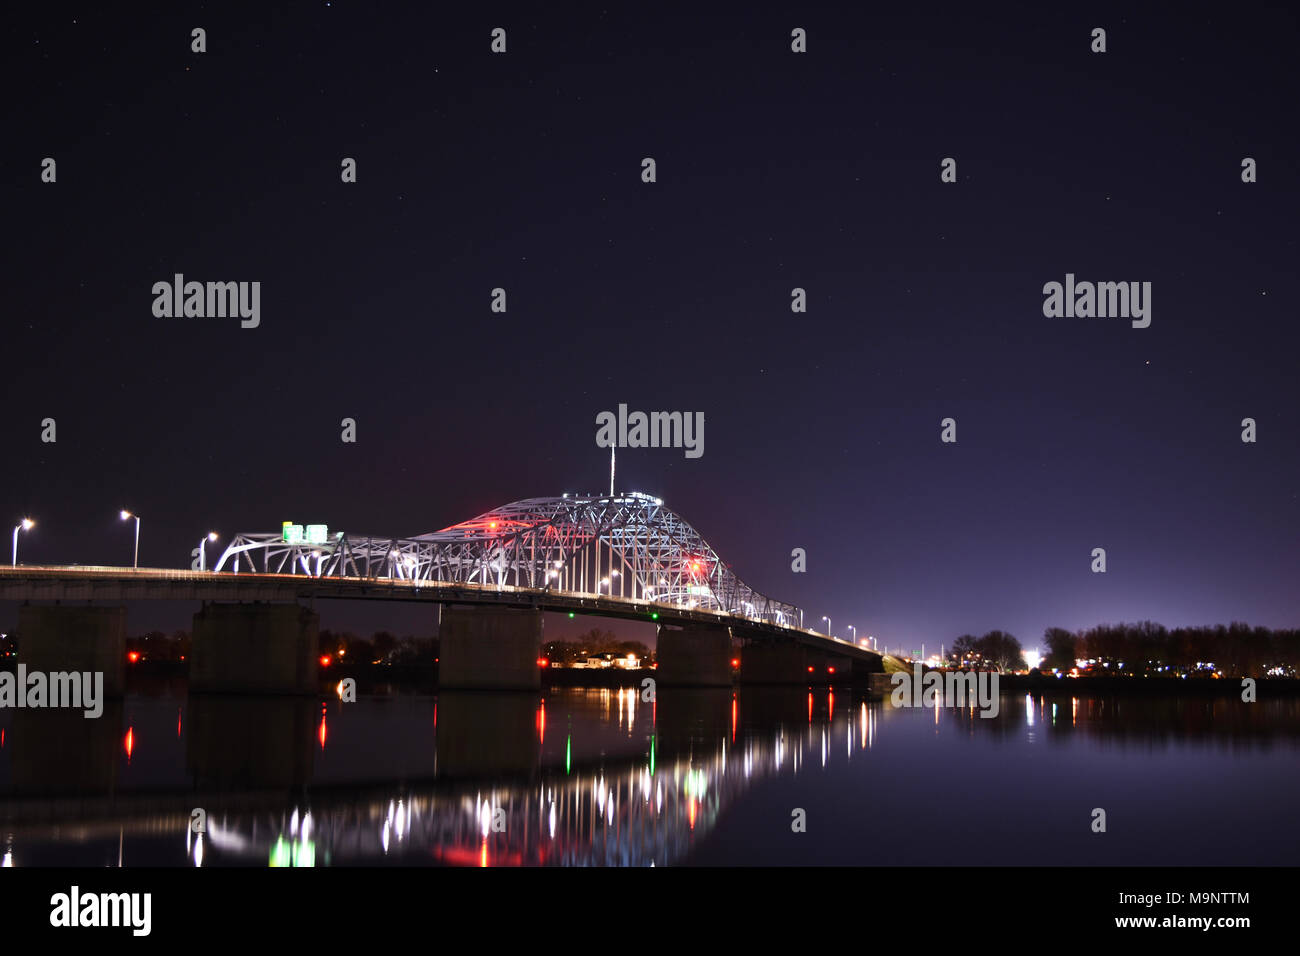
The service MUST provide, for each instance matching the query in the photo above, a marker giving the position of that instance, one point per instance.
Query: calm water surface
(578, 776)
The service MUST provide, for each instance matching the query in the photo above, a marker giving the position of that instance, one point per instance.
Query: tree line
(593, 643)
(1237, 650)
(1144, 648)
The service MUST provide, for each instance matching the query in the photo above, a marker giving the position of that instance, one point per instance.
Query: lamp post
(828, 624)
(135, 561)
(25, 525)
(855, 633)
(210, 536)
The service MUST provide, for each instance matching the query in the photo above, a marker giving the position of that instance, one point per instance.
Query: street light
(135, 563)
(210, 536)
(855, 633)
(25, 525)
(828, 624)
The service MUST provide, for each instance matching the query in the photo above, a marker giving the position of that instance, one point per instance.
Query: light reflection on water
(597, 776)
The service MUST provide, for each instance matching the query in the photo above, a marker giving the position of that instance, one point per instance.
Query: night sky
(775, 170)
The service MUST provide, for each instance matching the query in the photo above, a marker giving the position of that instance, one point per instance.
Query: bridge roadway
(75, 583)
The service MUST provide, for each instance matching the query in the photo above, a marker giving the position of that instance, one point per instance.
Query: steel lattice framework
(627, 545)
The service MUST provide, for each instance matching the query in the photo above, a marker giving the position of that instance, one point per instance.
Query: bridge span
(492, 578)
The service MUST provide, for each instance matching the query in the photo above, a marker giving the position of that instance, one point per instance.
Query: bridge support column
(489, 648)
(787, 662)
(694, 656)
(782, 662)
(255, 648)
(68, 637)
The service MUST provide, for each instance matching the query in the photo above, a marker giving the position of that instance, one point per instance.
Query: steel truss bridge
(626, 546)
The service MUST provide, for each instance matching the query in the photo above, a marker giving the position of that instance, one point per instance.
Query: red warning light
(133, 656)
(543, 662)
(324, 660)
(735, 662)
(830, 670)
(810, 670)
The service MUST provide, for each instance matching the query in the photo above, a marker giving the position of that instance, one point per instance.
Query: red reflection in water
(810, 707)
(130, 742)
(830, 705)
(2, 737)
(475, 856)
(733, 718)
(541, 722)
(178, 722)
(321, 734)
(691, 813)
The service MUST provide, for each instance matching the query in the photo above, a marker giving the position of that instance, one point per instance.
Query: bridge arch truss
(628, 545)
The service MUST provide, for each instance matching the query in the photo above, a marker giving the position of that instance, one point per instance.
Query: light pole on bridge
(855, 633)
(828, 625)
(135, 561)
(25, 525)
(210, 536)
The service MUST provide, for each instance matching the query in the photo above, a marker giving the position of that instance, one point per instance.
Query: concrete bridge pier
(768, 661)
(775, 662)
(829, 667)
(694, 655)
(70, 637)
(489, 648)
(255, 649)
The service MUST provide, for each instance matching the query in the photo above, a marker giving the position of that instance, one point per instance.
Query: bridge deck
(82, 583)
